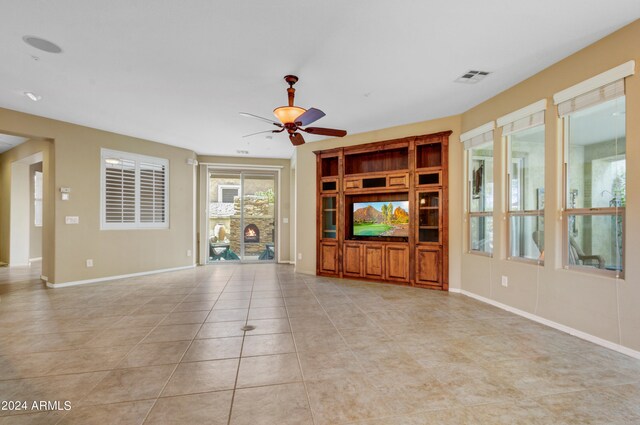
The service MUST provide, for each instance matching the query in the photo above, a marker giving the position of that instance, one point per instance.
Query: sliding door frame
(205, 170)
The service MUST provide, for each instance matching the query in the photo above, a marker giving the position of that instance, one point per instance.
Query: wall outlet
(299, 256)
(89, 262)
(71, 219)
(285, 220)
(188, 253)
(505, 281)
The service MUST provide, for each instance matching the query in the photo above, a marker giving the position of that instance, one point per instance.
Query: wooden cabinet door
(374, 261)
(329, 257)
(352, 260)
(397, 262)
(428, 265)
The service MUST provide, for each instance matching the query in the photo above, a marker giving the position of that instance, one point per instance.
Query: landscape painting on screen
(381, 219)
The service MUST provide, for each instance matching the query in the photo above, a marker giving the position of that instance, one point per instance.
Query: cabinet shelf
(330, 209)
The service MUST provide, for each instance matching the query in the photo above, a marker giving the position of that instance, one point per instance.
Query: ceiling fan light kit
(288, 114)
(292, 118)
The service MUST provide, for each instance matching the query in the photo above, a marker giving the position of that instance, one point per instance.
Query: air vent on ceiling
(242, 152)
(472, 77)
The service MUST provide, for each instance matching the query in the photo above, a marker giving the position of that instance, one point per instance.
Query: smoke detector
(472, 77)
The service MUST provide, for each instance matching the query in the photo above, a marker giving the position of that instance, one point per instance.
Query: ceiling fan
(292, 118)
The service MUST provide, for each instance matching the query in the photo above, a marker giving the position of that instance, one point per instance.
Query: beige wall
(305, 162)
(20, 152)
(604, 307)
(77, 165)
(284, 195)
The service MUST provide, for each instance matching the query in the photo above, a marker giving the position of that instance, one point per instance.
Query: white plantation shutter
(152, 193)
(134, 191)
(119, 190)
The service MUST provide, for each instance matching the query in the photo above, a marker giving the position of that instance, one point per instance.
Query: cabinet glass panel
(429, 235)
(329, 217)
(429, 199)
(429, 217)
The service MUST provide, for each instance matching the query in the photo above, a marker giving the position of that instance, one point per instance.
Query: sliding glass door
(242, 216)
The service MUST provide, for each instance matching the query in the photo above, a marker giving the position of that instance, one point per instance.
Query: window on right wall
(525, 191)
(523, 132)
(478, 143)
(595, 179)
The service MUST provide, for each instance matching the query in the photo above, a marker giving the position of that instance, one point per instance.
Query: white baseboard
(107, 278)
(571, 331)
(35, 259)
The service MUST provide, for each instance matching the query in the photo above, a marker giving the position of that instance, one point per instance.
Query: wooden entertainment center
(413, 169)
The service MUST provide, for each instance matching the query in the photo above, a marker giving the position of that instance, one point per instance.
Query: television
(381, 219)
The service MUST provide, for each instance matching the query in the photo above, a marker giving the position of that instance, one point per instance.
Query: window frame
(473, 214)
(523, 212)
(137, 159)
(586, 212)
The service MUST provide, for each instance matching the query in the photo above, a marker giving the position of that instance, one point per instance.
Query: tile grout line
(342, 336)
(295, 346)
(244, 335)
(125, 355)
(185, 352)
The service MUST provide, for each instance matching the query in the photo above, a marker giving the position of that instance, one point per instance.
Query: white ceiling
(178, 72)
(8, 142)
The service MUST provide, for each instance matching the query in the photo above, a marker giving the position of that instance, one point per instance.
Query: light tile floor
(169, 349)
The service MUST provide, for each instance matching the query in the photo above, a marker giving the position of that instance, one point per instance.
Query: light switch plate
(72, 219)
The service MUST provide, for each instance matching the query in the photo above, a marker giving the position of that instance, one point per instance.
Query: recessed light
(32, 96)
(42, 44)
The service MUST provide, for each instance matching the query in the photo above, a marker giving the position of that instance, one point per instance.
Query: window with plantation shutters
(134, 191)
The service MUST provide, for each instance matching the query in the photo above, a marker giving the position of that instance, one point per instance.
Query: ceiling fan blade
(296, 139)
(325, 131)
(312, 115)
(261, 132)
(248, 115)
